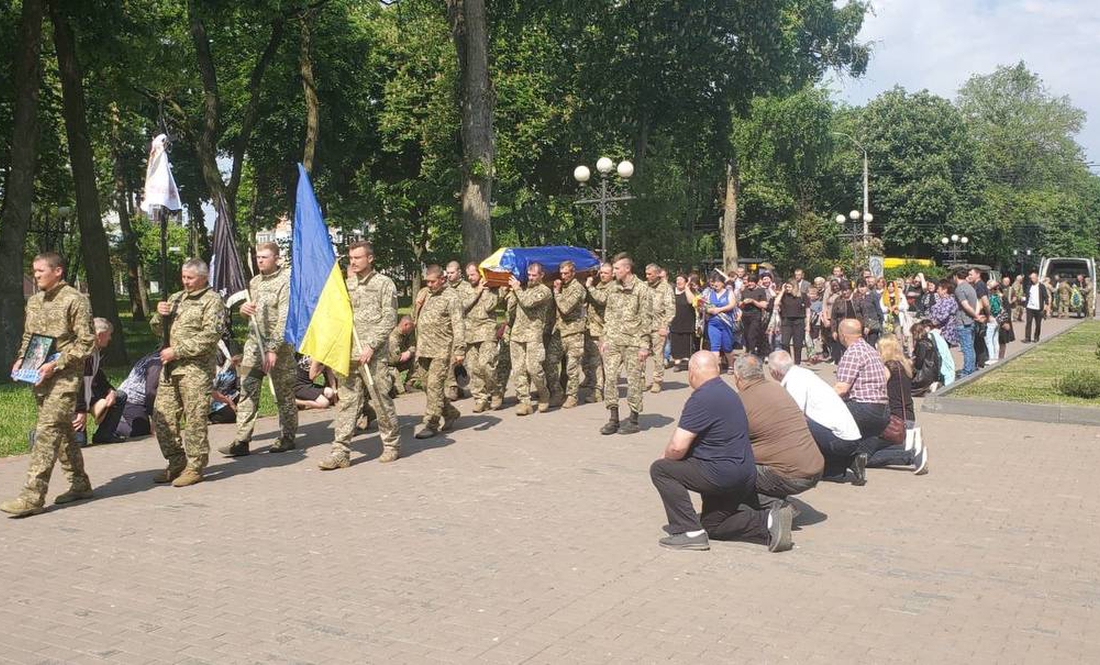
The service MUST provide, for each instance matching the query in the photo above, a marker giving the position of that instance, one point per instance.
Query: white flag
(160, 186)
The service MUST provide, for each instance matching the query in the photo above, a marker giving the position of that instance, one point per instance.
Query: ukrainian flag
(319, 323)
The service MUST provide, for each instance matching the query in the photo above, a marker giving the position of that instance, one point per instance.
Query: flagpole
(161, 213)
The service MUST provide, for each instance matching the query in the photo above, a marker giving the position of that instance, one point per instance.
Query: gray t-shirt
(964, 292)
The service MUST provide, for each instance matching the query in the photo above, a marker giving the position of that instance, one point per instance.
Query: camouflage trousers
(180, 415)
(438, 406)
(53, 439)
(614, 357)
(593, 364)
(353, 393)
(481, 363)
(283, 375)
(552, 365)
(528, 371)
(504, 367)
(412, 373)
(657, 355)
(572, 347)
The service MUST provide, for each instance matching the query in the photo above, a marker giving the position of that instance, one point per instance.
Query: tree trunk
(641, 140)
(309, 87)
(729, 217)
(469, 30)
(206, 143)
(138, 306)
(93, 239)
(15, 216)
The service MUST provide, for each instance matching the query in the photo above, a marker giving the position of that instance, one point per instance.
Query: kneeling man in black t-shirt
(710, 453)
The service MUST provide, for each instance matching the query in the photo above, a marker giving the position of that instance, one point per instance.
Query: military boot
(655, 388)
(544, 407)
(235, 449)
(612, 425)
(284, 445)
(523, 409)
(171, 473)
(21, 507)
(449, 419)
(556, 399)
(78, 492)
(569, 402)
(631, 425)
(497, 402)
(334, 461)
(389, 455)
(480, 406)
(190, 476)
(427, 431)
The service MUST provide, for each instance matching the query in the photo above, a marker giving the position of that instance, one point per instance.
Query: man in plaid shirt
(861, 381)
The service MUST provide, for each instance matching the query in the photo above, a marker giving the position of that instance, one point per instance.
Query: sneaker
(991, 361)
(780, 519)
(859, 470)
(682, 541)
(334, 462)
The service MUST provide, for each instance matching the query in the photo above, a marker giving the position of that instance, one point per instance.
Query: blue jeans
(966, 345)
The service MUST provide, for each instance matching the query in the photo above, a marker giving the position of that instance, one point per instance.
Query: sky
(938, 44)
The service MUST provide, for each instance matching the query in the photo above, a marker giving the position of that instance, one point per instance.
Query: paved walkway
(535, 540)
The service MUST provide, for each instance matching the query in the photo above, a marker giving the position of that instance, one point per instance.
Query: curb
(943, 402)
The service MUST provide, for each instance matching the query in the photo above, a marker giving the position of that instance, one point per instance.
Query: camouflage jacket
(400, 343)
(628, 320)
(662, 304)
(570, 308)
(374, 310)
(439, 325)
(271, 295)
(64, 314)
(479, 309)
(532, 309)
(197, 326)
(597, 303)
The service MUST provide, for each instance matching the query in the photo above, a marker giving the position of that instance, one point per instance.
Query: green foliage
(911, 268)
(1083, 383)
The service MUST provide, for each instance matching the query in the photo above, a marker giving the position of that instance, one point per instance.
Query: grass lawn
(1031, 377)
(17, 410)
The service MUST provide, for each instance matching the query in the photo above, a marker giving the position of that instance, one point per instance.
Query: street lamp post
(609, 193)
(1023, 257)
(954, 247)
(866, 188)
(850, 225)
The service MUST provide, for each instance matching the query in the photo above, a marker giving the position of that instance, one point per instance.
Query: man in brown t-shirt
(788, 460)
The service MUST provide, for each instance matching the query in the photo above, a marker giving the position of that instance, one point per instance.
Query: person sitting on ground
(96, 396)
(913, 453)
(926, 360)
(788, 460)
(831, 424)
(309, 395)
(227, 390)
(710, 453)
(403, 356)
(861, 380)
(133, 406)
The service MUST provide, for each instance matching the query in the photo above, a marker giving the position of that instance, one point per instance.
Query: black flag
(226, 272)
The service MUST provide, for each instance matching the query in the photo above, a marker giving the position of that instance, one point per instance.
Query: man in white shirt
(1037, 305)
(830, 422)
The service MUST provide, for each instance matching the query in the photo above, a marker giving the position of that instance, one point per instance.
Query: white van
(1071, 267)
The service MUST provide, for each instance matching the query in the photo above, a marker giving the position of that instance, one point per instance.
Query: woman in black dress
(682, 329)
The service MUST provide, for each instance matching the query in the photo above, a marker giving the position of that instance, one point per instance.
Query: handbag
(895, 429)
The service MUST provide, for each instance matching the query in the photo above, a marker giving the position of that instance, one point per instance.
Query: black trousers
(728, 513)
(794, 331)
(871, 418)
(1033, 316)
(773, 487)
(122, 419)
(752, 325)
(837, 452)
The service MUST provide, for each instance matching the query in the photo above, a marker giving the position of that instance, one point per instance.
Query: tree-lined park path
(535, 540)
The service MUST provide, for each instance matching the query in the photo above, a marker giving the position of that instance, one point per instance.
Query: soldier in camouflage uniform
(403, 355)
(269, 302)
(551, 366)
(462, 290)
(532, 305)
(442, 346)
(374, 312)
(628, 337)
(197, 321)
(663, 308)
(569, 298)
(1064, 292)
(504, 358)
(593, 354)
(61, 312)
(479, 309)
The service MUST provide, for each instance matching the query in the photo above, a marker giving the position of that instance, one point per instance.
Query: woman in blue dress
(722, 313)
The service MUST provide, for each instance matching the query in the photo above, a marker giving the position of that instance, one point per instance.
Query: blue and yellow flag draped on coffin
(319, 323)
(509, 261)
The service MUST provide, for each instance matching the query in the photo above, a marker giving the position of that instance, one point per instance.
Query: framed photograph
(40, 350)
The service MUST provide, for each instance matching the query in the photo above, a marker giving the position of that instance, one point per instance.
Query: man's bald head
(851, 327)
(702, 367)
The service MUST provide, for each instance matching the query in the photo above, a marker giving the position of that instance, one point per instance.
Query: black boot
(612, 425)
(630, 426)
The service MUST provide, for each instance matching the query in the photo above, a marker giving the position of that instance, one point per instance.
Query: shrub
(1098, 350)
(1084, 383)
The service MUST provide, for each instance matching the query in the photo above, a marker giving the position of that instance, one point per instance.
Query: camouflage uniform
(593, 359)
(628, 329)
(442, 335)
(271, 295)
(482, 351)
(462, 289)
(374, 310)
(532, 305)
(504, 359)
(663, 308)
(186, 383)
(1064, 293)
(399, 344)
(551, 365)
(571, 325)
(64, 314)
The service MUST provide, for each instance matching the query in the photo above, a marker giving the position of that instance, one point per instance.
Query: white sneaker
(910, 435)
(991, 361)
(920, 457)
(932, 388)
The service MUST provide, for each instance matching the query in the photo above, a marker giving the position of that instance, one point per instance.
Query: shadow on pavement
(807, 514)
(653, 421)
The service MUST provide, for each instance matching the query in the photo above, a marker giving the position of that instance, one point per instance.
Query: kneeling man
(710, 453)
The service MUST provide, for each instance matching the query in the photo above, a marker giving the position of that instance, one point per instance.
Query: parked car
(1058, 267)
